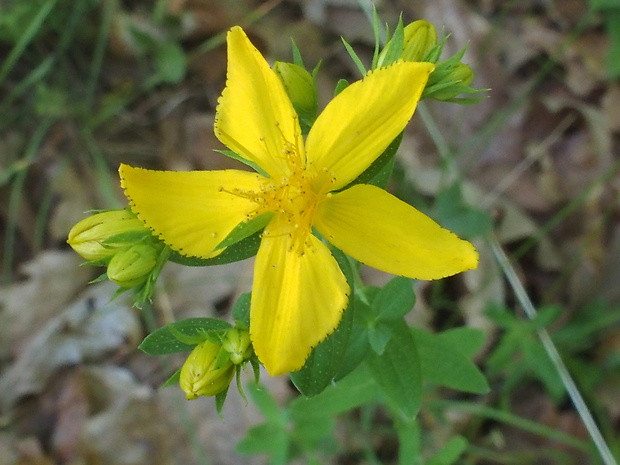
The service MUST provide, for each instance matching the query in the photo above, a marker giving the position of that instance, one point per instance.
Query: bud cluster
(210, 367)
(418, 42)
(119, 240)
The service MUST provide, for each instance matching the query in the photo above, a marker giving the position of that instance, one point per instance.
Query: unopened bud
(131, 267)
(88, 237)
(448, 83)
(300, 87)
(201, 375)
(237, 343)
(420, 38)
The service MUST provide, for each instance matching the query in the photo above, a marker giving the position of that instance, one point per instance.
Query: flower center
(292, 200)
(291, 197)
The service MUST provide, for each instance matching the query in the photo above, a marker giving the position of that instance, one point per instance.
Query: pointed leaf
(445, 365)
(395, 299)
(243, 249)
(397, 371)
(358, 388)
(325, 360)
(164, 341)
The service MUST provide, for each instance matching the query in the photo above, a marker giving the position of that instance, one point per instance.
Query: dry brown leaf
(128, 426)
(50, 281)
(89, 330)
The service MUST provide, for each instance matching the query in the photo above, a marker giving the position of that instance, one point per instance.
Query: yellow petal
(384, 232)
(255, 117)
(359, 124)
(191, 211)
(297, 301)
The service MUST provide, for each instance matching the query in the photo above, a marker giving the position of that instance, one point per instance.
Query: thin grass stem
(571, 388)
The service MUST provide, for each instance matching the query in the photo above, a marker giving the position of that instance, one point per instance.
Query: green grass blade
(27, 37)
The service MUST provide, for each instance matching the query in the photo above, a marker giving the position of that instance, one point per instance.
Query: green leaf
(453, 213)
(409, 442)
(394, 300)
(358, 345)
(397, 371)
(325, 360)
(267, 405)
(379, 172)
(358, 388)
(245, 229)
(164, 341)
(243, 249)
(450, 452)
(445, 364)
(468, 340)
(171, 62)
(266, 438)
(378, 337)
(241, 310)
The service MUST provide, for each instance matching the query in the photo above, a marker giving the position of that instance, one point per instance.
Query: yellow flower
(299, 291)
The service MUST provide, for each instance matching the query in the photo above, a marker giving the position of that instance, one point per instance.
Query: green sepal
(394, 49)
(98, 279)
(341, 85)
(245, 161)
(245, 229)
(356, 59)
(376, 30)
(144, 292)
(173, 380)
(243, 249)
(241, 310)
(379, 172)
(219, 401)
(255, 368)
(297, 59)
(397, 371)
(128, 237)
(325, 360)
(238, 383)
(165, 340)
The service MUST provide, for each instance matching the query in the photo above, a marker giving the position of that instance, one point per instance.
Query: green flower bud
(131, 267)
(201, 375)
(237, 343)
(420, 38)
(88, 237)
(447, 83)
(300, 87)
